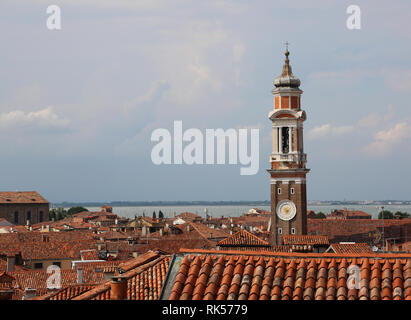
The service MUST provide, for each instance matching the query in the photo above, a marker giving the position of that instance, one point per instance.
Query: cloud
(44, 120)
(398, 80)
(154, 93)
(370, 121)
(327, 130)
(238, 52)
(183, 60)
(386, 140)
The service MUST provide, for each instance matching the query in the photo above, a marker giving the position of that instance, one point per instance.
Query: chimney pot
(118, 288)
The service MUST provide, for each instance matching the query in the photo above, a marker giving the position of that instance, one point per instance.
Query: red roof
(359, 230)
(188, 215)
(215, 275)
(351, 248)
(145, 278)
(243, 238)
(21, 197)
(305, 239)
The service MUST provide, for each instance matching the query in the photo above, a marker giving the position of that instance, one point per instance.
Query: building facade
(288, 171)
(23, 207)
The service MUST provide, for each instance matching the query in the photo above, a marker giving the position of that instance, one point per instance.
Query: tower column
(287, 173)
(280, 137)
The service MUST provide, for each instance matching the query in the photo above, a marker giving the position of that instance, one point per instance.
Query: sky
(78, 105)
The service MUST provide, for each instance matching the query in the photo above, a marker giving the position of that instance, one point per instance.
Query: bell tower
(288, 171)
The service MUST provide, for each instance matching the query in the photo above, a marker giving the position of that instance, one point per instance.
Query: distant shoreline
(220, 203)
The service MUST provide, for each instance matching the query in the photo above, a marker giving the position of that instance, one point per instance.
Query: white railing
(290, 157)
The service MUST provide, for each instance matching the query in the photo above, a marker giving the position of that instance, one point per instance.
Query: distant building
(348, 214)
(22, 207)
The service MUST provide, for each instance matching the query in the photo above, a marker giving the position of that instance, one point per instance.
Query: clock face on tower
(286, 210)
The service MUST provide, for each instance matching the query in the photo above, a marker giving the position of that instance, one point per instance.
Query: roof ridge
(300, 254)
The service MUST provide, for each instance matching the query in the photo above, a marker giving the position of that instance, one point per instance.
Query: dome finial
(287, 79)
(287, 68)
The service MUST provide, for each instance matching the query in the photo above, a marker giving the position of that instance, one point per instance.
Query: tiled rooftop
(359, 230)
(21, 197)
(351, 248)
(305, 239)
(145, 277)
(243, 238)
(213, 275)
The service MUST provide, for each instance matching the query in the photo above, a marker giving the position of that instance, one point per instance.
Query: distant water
(235, 211)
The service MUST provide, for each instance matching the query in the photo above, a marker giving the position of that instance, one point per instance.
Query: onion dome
(287, 78)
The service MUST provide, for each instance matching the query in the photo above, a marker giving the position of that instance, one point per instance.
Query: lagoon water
(235, 211)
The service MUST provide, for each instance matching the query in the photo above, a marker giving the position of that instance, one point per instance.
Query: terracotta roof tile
(243, 238)
(305, 240)
(228, 275)
(21, 197)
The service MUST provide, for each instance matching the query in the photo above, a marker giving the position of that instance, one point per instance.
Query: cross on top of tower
(286, 45)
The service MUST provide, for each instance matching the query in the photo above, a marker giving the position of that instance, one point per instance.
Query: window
(292, 191)
(285, 139)
(292, 230)
(28, 216)
(41, 216)
(279, 190)
(38, 265)
(58, 264)
(16, 217)
(280, 231)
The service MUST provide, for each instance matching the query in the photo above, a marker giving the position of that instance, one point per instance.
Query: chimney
(188, 227)
(11, 261)
(29, 293)
(79, 276)
(116, 221)
(161, 232)
(388, 245)
(118, 288)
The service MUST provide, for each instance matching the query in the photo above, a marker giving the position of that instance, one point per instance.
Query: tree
(75, 210)
(154, 215)
(57, 214)
(52, 215)
(386, 214)
(161, 214)
(320, 215)
(401, 215)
